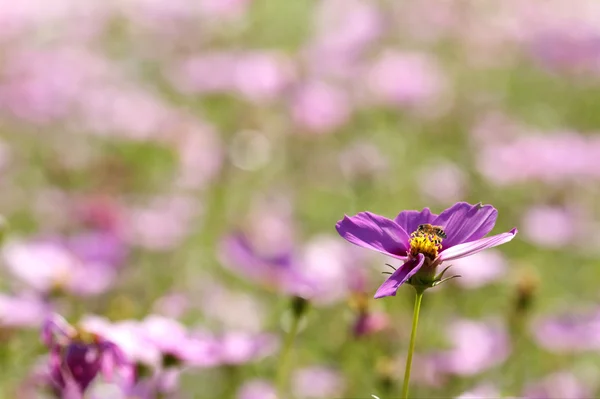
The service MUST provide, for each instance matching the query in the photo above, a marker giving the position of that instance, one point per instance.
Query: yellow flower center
(427, 240)
(85, 337)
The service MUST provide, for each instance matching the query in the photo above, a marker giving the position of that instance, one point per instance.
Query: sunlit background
(169, 161)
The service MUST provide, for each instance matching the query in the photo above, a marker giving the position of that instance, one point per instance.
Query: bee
(433, 230)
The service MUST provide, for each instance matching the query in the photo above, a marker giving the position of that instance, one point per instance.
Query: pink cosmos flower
(551, 227)
(78, 356)
(424, 240)
(22, 311)
(571, 332)
(477, 346)
(257, 389)
(480, 269)
(83, 266)
(559, 385)
(443, 182)
(407, 80)
(320, 108)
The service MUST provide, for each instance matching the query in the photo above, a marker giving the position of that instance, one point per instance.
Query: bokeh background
(162, 162)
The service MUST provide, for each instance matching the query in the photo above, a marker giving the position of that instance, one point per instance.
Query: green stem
(283, 370)
(411, 348)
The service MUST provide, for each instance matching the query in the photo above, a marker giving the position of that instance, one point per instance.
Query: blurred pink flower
(99, 212)
(173, 305)
(22, 311)
(236, 347)
(156, 347)
(427, 370)
(318, 107)
(164, 26)
(231, 309)
(343, 32)
(571, 332)
(408, 80)
(346, 26)
(127, 334)
(204, 73)
(161, 342)
(177, 344)
(568, 51)
(200, 153)
(477, 346)
(551, 227)
(562, 38)
(497, 127)
(266, 252)
(257, 75)
(100, 247)
(558, 158)
(224, 8)
(157, 15)
(262, 76)
(317, 382)
(78, 356)
(479, 269)
(331, 268)
(484, 391)
(257, 389)
(263, 249)
(559, 385)
(362, 160)
(278, 271)
(163, 224)
(443, 182)
(70, 20)
(48, 265)
(42, 86)
(368, 323)
(426, 21)
(123, 110)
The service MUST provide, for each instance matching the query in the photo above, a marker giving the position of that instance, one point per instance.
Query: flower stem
(411, 348)
(283, 370)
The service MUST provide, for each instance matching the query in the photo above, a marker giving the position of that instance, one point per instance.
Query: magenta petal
(53, 327)
(470, 248)
(237, 253)
(400, 276)
(464, 222)
(374, 232)
(410, 220)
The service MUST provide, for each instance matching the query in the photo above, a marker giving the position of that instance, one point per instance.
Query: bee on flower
(424, 240)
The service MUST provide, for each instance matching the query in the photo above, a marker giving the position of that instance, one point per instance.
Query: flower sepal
(425, 279)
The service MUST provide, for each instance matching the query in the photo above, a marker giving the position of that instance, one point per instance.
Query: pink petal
(410, 220)
(400, 276)
(470, 248)
(464, 222)
(375, 232)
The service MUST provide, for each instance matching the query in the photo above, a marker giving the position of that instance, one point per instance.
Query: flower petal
(400, 276)
(470, 248)
(464, 222)
(410, 220)
(54, 328)
(237, 253)
(374, 232)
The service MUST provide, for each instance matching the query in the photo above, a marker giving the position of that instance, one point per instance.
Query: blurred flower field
(173, 171)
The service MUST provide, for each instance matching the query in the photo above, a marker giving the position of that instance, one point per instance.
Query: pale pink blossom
(408, 80)
(318, 107)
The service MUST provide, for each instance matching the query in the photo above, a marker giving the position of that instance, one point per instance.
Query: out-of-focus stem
(283, 369)
(299, 306)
